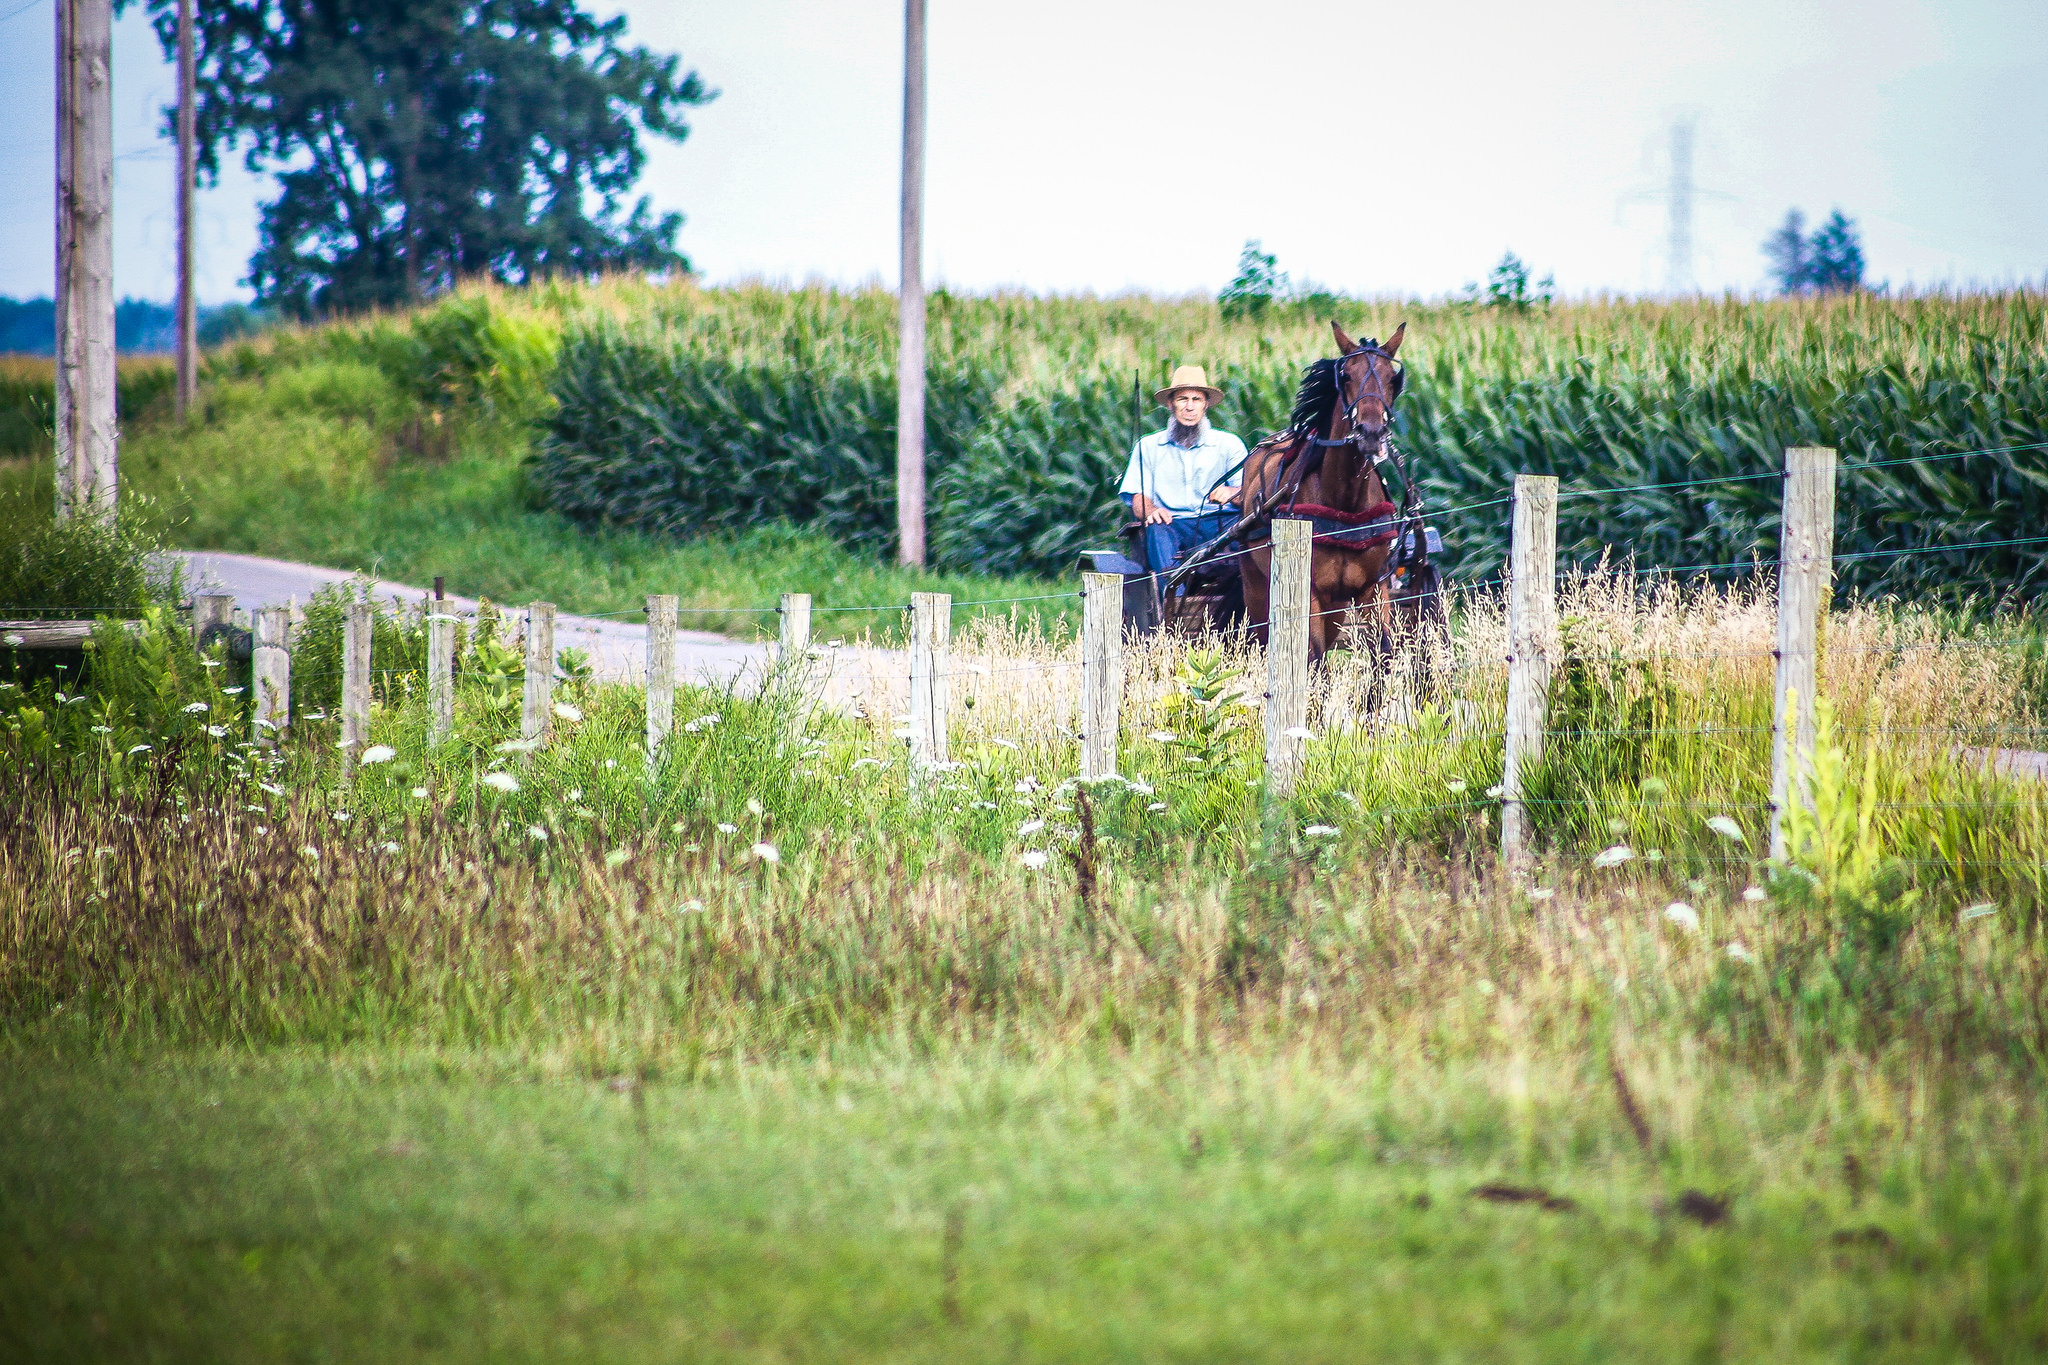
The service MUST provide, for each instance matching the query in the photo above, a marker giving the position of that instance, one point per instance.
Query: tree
(417, 142)
(1837, 255)
(1508, 286)
(1259, 284)
(1830, 260)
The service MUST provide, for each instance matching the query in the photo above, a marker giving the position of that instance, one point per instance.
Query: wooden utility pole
(188, 169)
(910, 302)
(1532, 618)
(85, 257)
(1806, 564)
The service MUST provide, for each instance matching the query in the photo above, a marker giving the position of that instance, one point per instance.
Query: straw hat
(1188, 377)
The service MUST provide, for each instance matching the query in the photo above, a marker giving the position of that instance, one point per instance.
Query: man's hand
(1226, 497)
(1150, 512)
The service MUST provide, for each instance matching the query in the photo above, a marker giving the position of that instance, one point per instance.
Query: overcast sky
(1106, 145)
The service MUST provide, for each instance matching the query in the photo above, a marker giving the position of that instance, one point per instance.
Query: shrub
(85, 566)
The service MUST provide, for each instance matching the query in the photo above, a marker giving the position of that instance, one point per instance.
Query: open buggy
(1374, 575)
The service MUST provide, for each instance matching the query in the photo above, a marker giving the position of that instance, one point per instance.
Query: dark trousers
(1167, 543)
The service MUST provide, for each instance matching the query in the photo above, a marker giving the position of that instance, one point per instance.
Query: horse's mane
(1315, 401)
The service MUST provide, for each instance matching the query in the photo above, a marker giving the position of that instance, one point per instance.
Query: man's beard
(1183, 435)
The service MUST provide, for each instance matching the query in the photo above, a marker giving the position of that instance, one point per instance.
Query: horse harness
(1331, 526)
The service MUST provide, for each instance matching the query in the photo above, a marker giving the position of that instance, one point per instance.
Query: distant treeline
(29, 326)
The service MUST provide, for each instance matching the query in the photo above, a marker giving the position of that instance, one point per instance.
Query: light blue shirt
(1178, 478)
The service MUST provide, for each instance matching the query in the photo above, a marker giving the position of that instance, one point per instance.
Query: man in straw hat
(1181, 480)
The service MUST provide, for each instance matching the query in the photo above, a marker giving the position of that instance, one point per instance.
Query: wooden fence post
(931, 626)
(1806, 548)
(440, 668)
(796, 626)
(271, 674)
(1532, 618)
(1287, 653)
(209, 610)
(355, 680)
(537, 713)
(1102, 671)
(661, 672)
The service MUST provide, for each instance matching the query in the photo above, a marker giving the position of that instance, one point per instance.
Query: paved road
(616, 645)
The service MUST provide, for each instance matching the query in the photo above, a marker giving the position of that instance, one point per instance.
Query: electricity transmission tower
(1678, 272)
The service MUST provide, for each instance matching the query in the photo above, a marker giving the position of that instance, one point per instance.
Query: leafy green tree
(1508, 286)
(1828, 260)
(417, 142)
(1837, 255)
(1258, 285)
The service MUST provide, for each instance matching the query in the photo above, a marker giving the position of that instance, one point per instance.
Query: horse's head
(1369, 379)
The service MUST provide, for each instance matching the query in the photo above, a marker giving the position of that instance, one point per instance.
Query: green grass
(1144, 1203)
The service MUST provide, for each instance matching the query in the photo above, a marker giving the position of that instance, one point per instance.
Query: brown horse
(1325, 467)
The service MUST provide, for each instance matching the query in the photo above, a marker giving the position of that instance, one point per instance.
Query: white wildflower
(341, 815)
(767, 853)
(217, 731)
(1298, 732)
(575, 794)
(12, 639)
(261, 830)
(209, 663)
(1162, 736)
(1322, 831)
(103, 729)
(1455, 785)
(1156, 805)
(724, 828)
(389, 847)
(1613, 857)
(378, 753)
(616, 857)
(699, 725)
(611, 763)
(1726, 828)
(139, 749)
(311, 852)
(1753, 894)
(232, 691)
(1009, 744)
(754, 806)
(274, 791)
(419, 793)
(518, 746)
(564, 711)
(503, 782)
(1496, 792)
(1035, 859)
(1029, 828)
(537, 833)
(1026, 785)
(1738, 951)
(869, 763)
(690, 907)
(194, 709)
(1684, 916)
(983, 805)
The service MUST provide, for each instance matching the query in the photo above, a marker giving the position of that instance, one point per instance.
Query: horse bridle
(1387, 394)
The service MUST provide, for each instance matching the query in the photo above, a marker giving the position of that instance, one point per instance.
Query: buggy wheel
(1422, 615)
